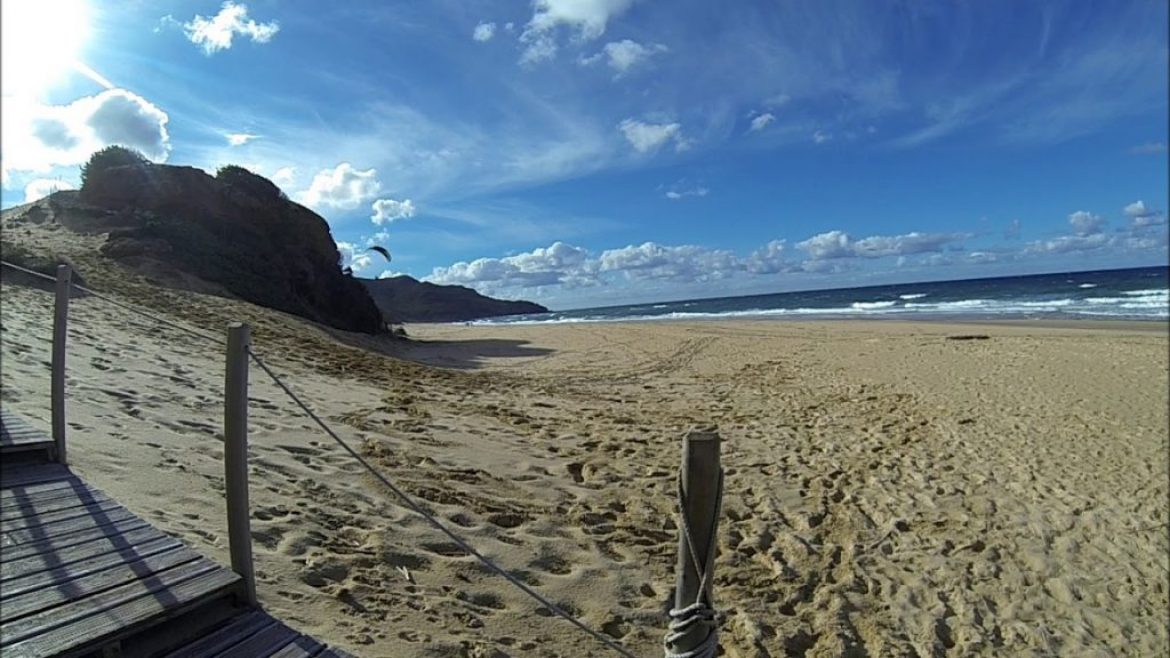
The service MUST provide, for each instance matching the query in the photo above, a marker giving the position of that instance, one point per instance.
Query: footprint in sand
(617, 628)
(552, 563)
(576, 471)
(445, 549)
(507, 520)
(492, 602)
(414, 636)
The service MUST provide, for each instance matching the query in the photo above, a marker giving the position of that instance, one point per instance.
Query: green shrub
(254, 185)
(42, 263)
(110, 157)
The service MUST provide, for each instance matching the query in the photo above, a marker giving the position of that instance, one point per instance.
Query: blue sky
(595, 152)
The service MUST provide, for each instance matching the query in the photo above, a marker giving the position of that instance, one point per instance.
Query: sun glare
(41, 41)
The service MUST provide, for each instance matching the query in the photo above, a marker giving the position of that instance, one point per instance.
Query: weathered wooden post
(57, 382)
(693, 629)
(235, 455)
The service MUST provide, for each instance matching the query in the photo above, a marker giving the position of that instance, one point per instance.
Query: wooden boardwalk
(80, 575)
(17, 436)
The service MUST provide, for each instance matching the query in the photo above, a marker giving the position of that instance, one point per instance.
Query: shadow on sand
(466, 354)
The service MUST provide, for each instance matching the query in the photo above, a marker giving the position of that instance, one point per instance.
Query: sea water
(1129, 294)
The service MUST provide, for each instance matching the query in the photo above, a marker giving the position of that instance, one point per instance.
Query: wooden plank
(12, 506)
(19, 433)
(15, 432)
(79, 572)
(76, 586)
(33, 475)
(223, 638)
(95, 620)
(14, 494)
(303, 647)
(15, 442)
(62, 541)
(14, 447)
(92, 509)
(38, 570)
(52, 502)
(59, 551)
(263, 643)
(63, 527)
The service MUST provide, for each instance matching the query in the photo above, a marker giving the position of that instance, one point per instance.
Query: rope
(418, 509)
(421, 511)
(700, 612)
(122, 305)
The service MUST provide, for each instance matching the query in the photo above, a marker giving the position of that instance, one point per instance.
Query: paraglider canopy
(381, 250)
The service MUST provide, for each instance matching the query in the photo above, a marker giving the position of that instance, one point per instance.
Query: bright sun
(41, 40)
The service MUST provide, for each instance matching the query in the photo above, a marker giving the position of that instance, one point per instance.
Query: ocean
(1130, 294)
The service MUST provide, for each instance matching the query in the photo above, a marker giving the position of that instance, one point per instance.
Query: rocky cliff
(405, 299)
(234, 233)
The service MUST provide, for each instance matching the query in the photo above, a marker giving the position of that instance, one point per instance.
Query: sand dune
(890, 492)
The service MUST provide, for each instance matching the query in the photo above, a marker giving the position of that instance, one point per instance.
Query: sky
(598, 152)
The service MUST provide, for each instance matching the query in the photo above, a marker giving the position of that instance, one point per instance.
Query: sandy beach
(890, 491)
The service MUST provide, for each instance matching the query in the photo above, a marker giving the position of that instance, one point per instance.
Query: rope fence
(398, 491)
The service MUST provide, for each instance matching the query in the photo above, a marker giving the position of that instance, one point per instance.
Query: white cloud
(645, 137)
(587, 17)
(760, 122)
(342, 187)
(284, 176)
(572, 267)
(685, 263)
(1140, 215)
(541, 47)
(621, 56)
(559, 263)
(377, 238)
(1086, 223)
(557, 256)
(898, 245)
(820, 137)
(43, 187)
(216, 33)
(37, 137)
(824, 246)
(826, 266)
(1139, 209)
(1156, 219)
(681, 192)
(675, 195)
(982, 257)
(492, 271)
(388, 210)
(838, 244)
(1146, 240)
(1012, 232)
(354, 257)
(769, 259)
(388, 274)
(1067, 244)
(484, 32)
(239, 139)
